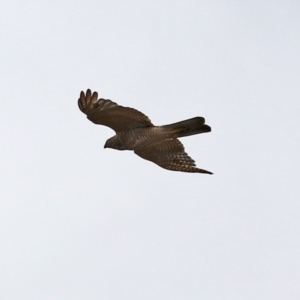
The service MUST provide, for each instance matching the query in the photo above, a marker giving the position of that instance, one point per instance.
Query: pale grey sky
(81, 222)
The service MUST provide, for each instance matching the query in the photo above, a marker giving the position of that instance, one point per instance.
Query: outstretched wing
(108, 113)
(170, 154)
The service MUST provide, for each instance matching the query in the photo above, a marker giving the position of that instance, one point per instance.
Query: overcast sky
(78, 221)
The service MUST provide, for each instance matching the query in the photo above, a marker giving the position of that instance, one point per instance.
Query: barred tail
(187, 127)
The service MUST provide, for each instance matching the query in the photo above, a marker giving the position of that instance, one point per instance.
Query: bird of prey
(134, 131)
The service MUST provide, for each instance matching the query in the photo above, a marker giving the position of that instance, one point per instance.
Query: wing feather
(108, 113)
(169, 154)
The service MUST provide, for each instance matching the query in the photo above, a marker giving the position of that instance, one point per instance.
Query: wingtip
(197, 170)
(85, 99)
(207, 172)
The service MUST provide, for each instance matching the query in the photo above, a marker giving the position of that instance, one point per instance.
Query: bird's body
(134, 131)
(140, 137)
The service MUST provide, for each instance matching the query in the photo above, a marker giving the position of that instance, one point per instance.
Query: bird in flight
(135, 131)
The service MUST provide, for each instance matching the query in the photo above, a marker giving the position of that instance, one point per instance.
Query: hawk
(135, 131)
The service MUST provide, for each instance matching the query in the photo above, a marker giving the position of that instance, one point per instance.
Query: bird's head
(115, 142)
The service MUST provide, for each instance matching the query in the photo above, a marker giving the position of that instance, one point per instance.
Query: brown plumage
(134, 131)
